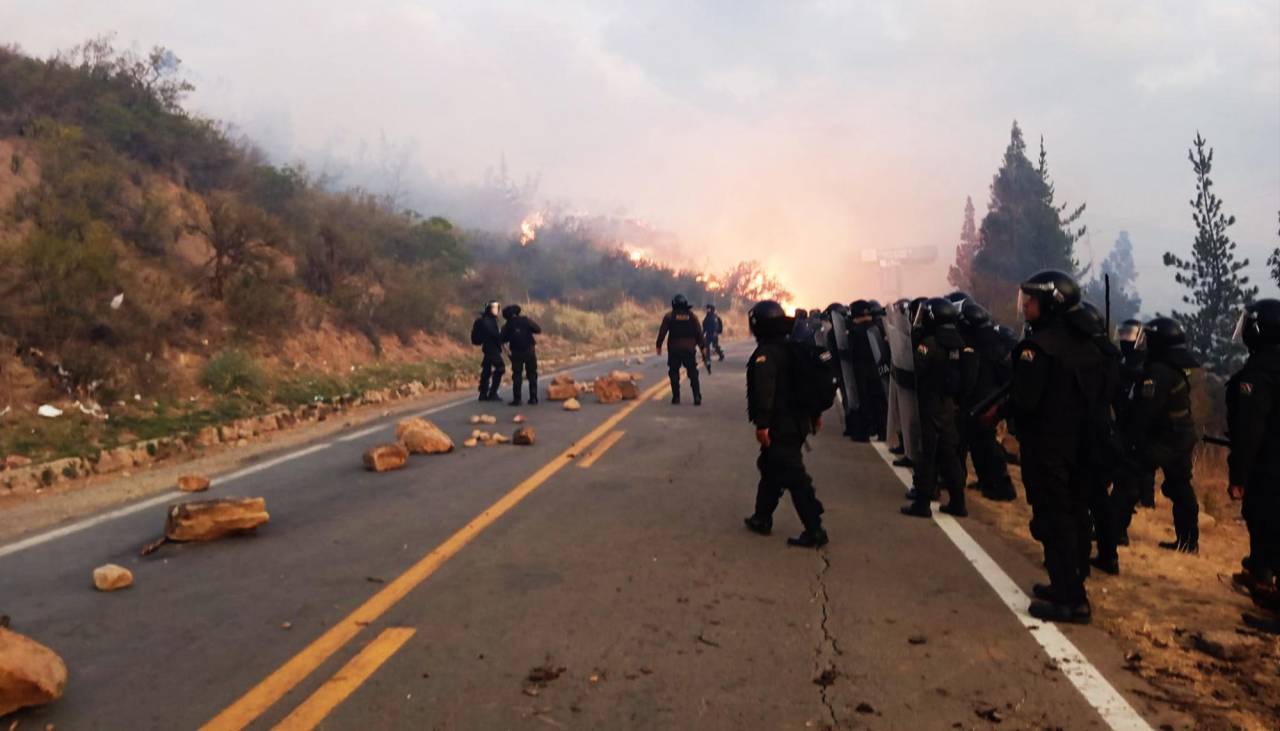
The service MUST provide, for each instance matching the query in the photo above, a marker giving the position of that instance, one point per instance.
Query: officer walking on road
(938, 383)
(517, 334)
(682, 352)
(1160, 431)
(781, 428)
(1058, 383)
(712, 329)
(1253, 419)
(486, 333)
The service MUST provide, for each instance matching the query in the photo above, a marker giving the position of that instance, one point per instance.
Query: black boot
(1043, 592)
(810, 538)
(1000, 492)
(904, 462)
(917, 509)
(759, 526)
(533, 391)
(1106, 564)
(955, 508)
(1047, 611)
(515, 394)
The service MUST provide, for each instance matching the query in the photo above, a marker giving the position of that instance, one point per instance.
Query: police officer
(1159, 430)
(712, 328)
(1058, 384)
(993, 373)
(780, 430)
(1132, 358)
(938, 383)
(517, 333)
(870, 355)
(802, 331)
(486, 333)
(1253, 419)
(682, 352)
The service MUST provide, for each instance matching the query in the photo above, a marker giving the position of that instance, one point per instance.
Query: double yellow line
(275, 686)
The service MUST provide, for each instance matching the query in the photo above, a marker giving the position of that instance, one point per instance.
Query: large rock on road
(207, 520)
(30, 673)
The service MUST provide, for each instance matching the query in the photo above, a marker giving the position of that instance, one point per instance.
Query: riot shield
(844, 356)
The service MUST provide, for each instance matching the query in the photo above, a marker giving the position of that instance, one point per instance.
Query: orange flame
(529, 228)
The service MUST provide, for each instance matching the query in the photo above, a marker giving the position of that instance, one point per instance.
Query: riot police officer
(486, 333)
(517, 333)
(712, 329)
(1132, 358)
(1253, 419)
(780, 429)
(993, 372)
(1159, 429)
(938, 384)
(1058, 384)
(682, 352)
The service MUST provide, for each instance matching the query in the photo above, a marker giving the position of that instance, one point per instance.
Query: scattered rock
(989, 713)
(499, 439)
(607, 391)
(471, 442)
(386, 457)
(917, 639)
(207, 520)
(517, 419)
(423, 437)
(113, 460)
(524, 436)
(562, 388)
(488, 419)
(193, 483)
(629, 389)
(30, 673)
(572, 404)
(14, 461)
(112, 577)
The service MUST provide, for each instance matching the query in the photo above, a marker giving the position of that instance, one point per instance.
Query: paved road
(423, 598)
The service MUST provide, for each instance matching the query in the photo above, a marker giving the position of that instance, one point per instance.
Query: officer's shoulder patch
(968, 349)
(1028, 355)
(922, 349)
(761, 358)
(1148, 387)
(1245, 388)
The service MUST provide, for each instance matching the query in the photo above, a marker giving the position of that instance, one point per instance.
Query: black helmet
(1259, 325)
(901, 305)
(711, 307)
(802, 313)
(1130, 331)
(1166, 341)
(680, 302)
(958, 298)
(860, 308)
(510, 311)
(836, 307)
(913, 307)
(936, 313)
(767, 319)
(974, 315)
(877, 309)
(1056, 291)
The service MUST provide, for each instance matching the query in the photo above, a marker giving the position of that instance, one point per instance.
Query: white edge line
(87, 523)
(1097, 691)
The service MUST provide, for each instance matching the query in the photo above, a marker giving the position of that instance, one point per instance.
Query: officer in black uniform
(938, 384)
(1253, 418)
(993, 373)
(517, 333)
(780, 430)
(1132, 360)
(1104, 449)
(486, 333)
(682, 352)
(712, 328)
(1058, 384)
(1160, 432)
(869, 353)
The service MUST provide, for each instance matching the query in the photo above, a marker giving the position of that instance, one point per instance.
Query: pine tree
(1125, 301)
(1273, 261)
(1023, 232)
(1217, 288)
(961, 273)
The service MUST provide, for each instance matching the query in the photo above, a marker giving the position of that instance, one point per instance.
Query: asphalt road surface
(601, 579)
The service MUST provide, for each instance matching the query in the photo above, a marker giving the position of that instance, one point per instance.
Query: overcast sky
(799, 133)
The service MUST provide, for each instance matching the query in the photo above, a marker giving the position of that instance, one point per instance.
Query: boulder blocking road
(601, 578)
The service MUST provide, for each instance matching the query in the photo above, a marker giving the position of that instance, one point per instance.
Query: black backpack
(813, 379)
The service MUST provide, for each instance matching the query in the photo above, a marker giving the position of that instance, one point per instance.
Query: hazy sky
(799, 133)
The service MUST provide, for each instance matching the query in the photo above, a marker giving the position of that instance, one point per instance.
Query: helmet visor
(1238, 335)
(1129, 333)
(918, 322)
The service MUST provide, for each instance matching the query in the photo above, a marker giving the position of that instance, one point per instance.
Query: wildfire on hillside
(529, 228)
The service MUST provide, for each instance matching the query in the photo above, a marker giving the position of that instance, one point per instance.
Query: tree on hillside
(238, 233)
(961, 273)
(1023, 232)
(1125, 301)
(1217, 288)
(1273, 261)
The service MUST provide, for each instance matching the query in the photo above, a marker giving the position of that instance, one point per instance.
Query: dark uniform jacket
(486, 333)
(994, 367)
(1158, 417)
(1059, 381)
(518, 333)
(1253, 419)
(712, 325)
(938, 375)
(769, 398)
(685, 332)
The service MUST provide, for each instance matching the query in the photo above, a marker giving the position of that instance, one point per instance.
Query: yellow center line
(274, 687)
(345, 682)
(601, 447)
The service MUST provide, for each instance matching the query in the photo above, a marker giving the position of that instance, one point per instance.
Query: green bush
(233, 372)
(255, 303)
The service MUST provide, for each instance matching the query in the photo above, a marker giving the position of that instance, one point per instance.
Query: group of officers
(1095, 419)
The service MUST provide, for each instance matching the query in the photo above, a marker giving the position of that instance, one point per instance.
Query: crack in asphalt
(828, 648)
